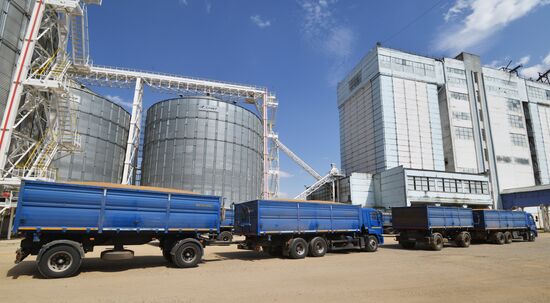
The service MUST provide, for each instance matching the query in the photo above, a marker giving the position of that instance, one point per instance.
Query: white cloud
(208, 6)
(261, 23)
(524, 60)
(284, 174)
(471, 22)
(183, 2)
(322, 30)
(534, 70)
(119, 100)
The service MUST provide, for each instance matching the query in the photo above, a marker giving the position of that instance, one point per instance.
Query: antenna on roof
(543, 77)
(511, 70)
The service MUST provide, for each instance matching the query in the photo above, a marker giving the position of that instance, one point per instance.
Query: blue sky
(300, 49)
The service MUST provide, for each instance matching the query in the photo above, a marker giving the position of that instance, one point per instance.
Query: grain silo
(103, 128)
(205, 145)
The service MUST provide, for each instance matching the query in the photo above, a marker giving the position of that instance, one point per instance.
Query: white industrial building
(410, 116)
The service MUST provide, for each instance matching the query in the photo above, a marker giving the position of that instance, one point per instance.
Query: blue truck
(60, 222)
(502, 226)
(296, 229)
(434, 225)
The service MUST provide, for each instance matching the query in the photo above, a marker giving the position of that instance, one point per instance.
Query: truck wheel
(297, 248)
(407, 244)
(372, 244)
(317, 247)
(187, 255)
(507, 237)
(463, 239)
(498, 238)
(225, 236)
(437, 242)
(532, 236)
(59, 261)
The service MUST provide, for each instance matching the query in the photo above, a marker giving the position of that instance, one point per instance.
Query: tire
(298, 248)
(60, 261)
(437, 242)
(407, 244)
(464, 239)
(507, 237)
(187, 255)
(498, 238)
(532, 236)
(225, 236)
(317, 247)
(372, 244)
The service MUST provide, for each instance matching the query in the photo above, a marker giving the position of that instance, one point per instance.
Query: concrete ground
(519, 272)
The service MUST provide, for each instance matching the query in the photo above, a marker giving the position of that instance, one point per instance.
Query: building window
(385, 61)
(515, 121)
(514, 105)
(457, 71)
(464, 133)
(521, 161)
(355, 81)
(456, 81)
(461, 116)
(538, 93)
(449, 185)
(518, 140)
(459, 96)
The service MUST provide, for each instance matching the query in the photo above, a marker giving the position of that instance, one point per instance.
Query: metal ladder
(79, 39)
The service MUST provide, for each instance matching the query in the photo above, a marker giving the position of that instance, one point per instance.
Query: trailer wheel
(532, 236)
(463, 239)
(317, 247)
(498, 238)
(437, 242)
(507, 237)
(225, 236)
(60, 261)
(372, 244)
(297, 248)
(187, 255)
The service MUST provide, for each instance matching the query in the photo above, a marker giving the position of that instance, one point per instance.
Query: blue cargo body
(500, 219)
(299, 228)
(431, 225)
(229, 218)
(431, 217)
(278, 217)
(50, 206)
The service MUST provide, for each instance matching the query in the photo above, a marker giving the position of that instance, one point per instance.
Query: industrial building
(417, 130)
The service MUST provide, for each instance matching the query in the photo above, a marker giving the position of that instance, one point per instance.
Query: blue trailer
(432, 225)
(226, 227)
(502, 226)
(298, 228)
(60, 222)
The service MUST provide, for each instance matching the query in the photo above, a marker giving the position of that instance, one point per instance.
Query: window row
(447, 185)
(506, 159)
(514, 105)
(464, 133)
(539, 93)
(400, 64)
(518, 139)
(461, 116)
(500, 81)
(456, 71)
(457, 81)
(459, 96)
(515, 121)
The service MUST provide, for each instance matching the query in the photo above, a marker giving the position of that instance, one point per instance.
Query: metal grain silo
(103, 127)
(205, 145)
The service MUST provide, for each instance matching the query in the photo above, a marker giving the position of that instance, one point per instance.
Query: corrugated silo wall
(103, 127)
(14, 16)
(205, 145)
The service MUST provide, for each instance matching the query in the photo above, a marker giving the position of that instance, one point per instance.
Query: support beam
(21, 72)
(132, 147)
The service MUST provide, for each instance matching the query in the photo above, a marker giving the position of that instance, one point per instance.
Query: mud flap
(20, 255)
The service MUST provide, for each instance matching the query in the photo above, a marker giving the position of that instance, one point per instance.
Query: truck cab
(373, 223)
(531, 223)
